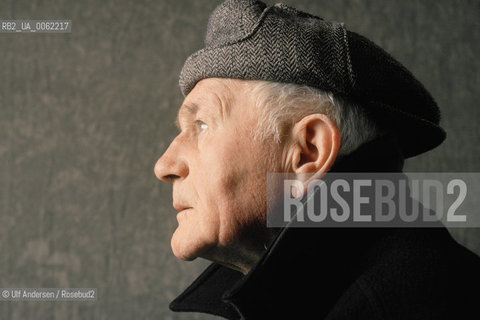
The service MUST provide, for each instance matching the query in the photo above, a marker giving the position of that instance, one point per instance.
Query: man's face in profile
(217, 169)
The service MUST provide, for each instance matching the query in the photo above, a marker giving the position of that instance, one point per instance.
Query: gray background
(85, 115)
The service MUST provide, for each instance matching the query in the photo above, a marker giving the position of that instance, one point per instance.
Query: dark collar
(336, 256)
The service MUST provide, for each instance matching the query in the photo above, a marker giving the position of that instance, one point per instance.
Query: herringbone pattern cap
(248, 40)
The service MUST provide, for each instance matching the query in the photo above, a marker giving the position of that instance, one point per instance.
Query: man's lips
(180, 207)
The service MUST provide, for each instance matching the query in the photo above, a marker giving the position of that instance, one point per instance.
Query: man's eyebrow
(189, 109)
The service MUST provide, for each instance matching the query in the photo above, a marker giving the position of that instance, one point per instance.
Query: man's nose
(171, 166)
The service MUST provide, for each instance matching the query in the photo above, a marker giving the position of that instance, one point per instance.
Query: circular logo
(5, 294)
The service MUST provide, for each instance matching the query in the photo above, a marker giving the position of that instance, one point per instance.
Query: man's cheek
(221, 174)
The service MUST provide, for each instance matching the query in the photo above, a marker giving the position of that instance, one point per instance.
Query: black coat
(348, 273)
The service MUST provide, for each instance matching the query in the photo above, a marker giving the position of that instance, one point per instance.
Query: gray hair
(284, 104)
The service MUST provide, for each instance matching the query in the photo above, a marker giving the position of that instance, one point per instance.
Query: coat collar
(334, 255)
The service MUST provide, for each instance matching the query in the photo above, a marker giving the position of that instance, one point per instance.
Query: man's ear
(314, 147)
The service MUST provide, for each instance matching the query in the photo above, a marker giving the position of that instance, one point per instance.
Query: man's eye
(202, 125)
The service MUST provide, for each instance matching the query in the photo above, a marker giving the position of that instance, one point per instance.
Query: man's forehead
(204, 101)
(209, 93)
(205, 88)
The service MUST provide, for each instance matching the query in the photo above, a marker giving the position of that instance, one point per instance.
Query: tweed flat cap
(248, 40)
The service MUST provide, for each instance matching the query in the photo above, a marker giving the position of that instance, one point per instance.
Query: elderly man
(279, 90)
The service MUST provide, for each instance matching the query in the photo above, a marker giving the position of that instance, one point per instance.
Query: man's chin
(182, 252)
(187, 250)
(184, 257)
